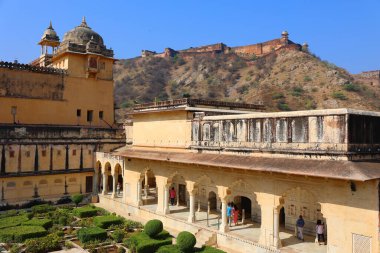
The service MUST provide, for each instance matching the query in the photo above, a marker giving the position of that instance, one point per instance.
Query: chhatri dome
(50, 34)
(82, 34)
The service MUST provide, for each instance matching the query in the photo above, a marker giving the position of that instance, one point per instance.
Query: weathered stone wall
(44, 156)
(31, 84)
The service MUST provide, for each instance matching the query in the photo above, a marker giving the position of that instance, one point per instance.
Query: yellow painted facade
(54, 115)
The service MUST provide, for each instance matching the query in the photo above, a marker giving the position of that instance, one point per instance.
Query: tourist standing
(229, 213)
(172, 195)
(300, 224)
(320, 229)
(236, 214)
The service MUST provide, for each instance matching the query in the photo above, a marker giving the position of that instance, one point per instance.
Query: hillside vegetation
(283, 80)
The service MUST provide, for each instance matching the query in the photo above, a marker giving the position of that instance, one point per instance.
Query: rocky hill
(282, 80)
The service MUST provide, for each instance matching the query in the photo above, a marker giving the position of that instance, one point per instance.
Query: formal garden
(48, 228)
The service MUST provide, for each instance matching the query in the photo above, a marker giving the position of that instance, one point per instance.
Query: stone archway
(212, 200)
(148, 184)
(118, 176)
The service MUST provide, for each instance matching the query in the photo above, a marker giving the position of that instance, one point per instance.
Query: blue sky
(346, 33)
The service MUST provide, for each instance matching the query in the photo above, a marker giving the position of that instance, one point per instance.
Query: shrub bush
(106, 221)
(339, 95)
(21, 233)
(45, 223)
(63, 220)
(153, 228)
(12, 221)
(118, 235)
(91, 234)
(351, 87)
(130, 225)
(142, 243)
(169, 249)
(186, 241)
(208, 249)
(43, 245)
(121, 250)
(64, 200)
(86, 211)
(77, 198)
(44, 208)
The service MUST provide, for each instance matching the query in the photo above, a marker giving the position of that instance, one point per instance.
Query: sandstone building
(55, 113)
(322, 164)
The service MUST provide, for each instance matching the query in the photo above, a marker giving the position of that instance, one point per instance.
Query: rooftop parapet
(27, 67)
(352, 134)
(188, 102)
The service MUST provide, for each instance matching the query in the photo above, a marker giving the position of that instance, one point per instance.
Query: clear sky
(346, 33)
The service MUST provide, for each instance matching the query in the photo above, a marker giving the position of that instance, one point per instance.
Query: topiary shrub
(106, 221)
(118, 235)
(45, 223)
(44, 208)
(142, 243)
(186, 241)
(169, 249)
(86, 211)
(21, 233)
(77, 198)
(153, 228)
(43, 245)
(12, 221)
(91, 234)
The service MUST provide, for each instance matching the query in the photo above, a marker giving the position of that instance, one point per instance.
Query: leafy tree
(77, 198)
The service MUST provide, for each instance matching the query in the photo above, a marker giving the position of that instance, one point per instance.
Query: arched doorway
(119, 180)
(244, 204)
(149, 193)
(179, 184)
(212, 200)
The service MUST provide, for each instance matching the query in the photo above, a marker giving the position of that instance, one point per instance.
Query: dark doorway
(282, 216)
(89, 184)
(212, 200)
(120, 181)
(182, 194)
(110, 183)
(244, 203)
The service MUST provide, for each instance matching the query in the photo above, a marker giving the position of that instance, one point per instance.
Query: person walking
(229, 213)
(320, 229)
(172, 195)
(236, 214)
(300, 224)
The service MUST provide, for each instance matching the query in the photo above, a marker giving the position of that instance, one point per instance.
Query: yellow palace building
(55, 113)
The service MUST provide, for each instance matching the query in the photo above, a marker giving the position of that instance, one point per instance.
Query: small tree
(77, 198)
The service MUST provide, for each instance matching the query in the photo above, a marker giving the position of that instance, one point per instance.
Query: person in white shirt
(320, 229)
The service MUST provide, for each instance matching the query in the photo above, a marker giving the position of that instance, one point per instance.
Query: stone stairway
(205, 238)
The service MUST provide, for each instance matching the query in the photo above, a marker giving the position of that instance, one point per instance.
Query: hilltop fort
(248, 51)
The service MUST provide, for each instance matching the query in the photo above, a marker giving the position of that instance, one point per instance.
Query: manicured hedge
(186, 241)
(46, 223)
(169, 249)
(142, 243)
(106, 221)
(43, 245)
(208, 249)
(91, 234)
(153, 227)
(44, 208)
(21, 233)
(12, 221)
(86, 211)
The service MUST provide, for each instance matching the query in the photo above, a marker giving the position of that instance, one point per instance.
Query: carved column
(192, 207)
(276, 228)
(139, 186)
(105, 184)
(166, 199)
(146, 186)
(224, 225)
(114, 183)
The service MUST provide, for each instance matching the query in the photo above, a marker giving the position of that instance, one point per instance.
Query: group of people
(319, 230)
(232, 213)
